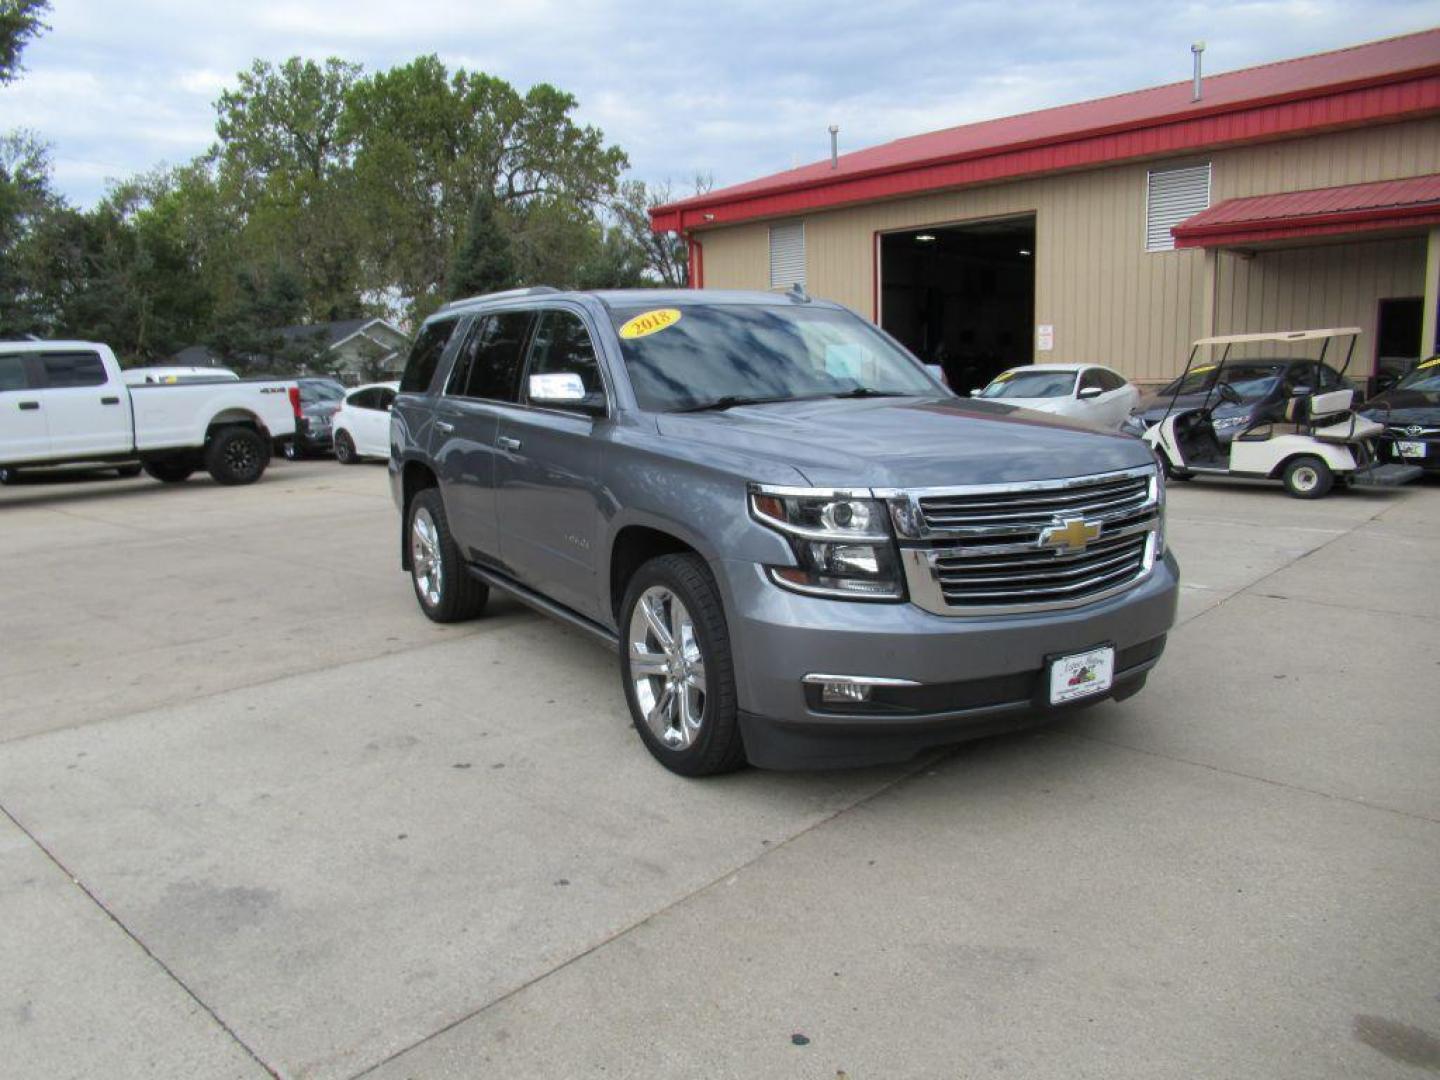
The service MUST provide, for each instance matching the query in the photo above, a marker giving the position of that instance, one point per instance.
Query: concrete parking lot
(260, 816)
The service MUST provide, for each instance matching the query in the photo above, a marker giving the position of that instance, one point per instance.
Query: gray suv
(805, 551)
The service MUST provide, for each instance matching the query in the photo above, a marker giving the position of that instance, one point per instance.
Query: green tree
(485, 262)
(25, 200)
(20, 23)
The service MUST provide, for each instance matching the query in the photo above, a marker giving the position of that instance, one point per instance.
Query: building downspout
(1429, 314)
(696, 261)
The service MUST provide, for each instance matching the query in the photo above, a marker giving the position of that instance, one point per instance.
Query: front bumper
(977, 675)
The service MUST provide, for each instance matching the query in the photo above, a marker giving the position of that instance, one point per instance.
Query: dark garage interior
(962, 296)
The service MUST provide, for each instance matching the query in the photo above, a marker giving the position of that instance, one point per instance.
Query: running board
(544, 605)
(1390, 474)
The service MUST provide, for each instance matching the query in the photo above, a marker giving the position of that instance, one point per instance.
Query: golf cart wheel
(1308, 477)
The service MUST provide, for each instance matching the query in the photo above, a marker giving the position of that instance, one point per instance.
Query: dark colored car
(320, 398)
(802, 548)
(1410, 412)
(1262, 385)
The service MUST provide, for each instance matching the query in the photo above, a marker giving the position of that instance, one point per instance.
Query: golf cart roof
(1282, 335)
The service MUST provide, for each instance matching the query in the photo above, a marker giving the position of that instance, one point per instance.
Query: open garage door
(962, 296)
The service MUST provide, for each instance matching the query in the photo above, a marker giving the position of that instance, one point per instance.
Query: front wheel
(237, 455)
(447, 592)
(1308, 477)
(677, 667)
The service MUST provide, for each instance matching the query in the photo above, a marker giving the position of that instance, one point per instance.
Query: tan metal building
(1116, 231)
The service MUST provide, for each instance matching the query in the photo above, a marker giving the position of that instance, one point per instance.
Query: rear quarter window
(72, 369)
(12, 372)
(425, 356)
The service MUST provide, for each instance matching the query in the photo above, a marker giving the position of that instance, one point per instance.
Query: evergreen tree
(485, 263)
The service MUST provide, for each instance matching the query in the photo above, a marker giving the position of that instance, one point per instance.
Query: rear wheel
(345, 452)
(447, 592)
(169, 470)
(677, 667)
(1308, 477)
(237, 455)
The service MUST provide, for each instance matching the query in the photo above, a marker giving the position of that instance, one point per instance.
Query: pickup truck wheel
(126, 472)
(1308, 477)
(9, 476)
(173, 471)
(677, 667)
(447, 592)
(236, 455)
(345, 452)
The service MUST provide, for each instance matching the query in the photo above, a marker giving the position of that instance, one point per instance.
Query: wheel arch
(415, 477)
(634, 545)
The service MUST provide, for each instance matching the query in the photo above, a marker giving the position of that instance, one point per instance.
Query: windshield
(1251, 381)
(1031, 384)
(1424, 379)
(695, 355)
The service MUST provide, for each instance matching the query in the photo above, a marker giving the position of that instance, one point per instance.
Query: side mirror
(564, 390)
(1089, 393)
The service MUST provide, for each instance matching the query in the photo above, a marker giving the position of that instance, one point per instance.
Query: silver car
(805, 551)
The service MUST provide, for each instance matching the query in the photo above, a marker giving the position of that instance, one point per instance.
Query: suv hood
(910, 442)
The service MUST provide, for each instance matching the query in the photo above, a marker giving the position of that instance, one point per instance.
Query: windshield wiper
(729, 401)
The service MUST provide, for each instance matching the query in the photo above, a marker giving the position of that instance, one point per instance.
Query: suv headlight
(841, 541)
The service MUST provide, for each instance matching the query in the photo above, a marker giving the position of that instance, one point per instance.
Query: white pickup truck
(66, 403)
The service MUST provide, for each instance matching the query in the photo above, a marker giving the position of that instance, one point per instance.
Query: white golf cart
(1314, 440)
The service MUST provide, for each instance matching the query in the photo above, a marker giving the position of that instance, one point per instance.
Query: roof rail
(532, 290)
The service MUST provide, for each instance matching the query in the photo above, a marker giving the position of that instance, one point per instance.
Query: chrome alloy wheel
(425, 556)
(667, 668)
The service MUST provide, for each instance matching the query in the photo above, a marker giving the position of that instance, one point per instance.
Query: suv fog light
(843, 693)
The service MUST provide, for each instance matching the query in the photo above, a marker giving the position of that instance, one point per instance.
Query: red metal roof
(1388, 204)
(1381, 81)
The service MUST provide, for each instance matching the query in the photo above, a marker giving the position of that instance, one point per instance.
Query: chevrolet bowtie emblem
(1071, 535)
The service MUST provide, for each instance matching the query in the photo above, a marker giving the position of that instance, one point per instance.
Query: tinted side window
(425, 356)
(72, 369)
(499, 349)
(362, 399)
(562, 344)
(1092, 379)
(1109, 380)
(384, 398)
(12, 373)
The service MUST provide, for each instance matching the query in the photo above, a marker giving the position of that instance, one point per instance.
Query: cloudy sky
(733, 89)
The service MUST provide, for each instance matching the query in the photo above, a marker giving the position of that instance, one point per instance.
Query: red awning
(1354, 208)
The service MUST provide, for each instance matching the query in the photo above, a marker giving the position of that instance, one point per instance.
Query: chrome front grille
(1016, 548)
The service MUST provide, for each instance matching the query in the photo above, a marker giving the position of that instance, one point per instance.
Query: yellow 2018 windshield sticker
(650, 322)
(1004, 376)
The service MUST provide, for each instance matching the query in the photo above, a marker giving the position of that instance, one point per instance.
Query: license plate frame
(1077, 676)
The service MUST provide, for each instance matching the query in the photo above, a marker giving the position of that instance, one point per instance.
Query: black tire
(292, 450)
(1308, 477)
(9, 476)
(456, 595)
(169, 470)
(716, 745)
(237, 455)
(345, 452)
(128, 472)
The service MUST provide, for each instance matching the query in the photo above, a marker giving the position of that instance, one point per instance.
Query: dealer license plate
(1410, 449)
(1081, 675)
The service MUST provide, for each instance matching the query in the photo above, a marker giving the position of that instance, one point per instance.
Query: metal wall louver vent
(1171, 196)
(787, 254)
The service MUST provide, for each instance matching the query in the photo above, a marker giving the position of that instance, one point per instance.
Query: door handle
(444, 428)
(29, 405)
(109, 401)
(505, 442)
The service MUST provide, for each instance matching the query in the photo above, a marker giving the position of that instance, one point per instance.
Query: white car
(362, 423)
(1086, 392)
